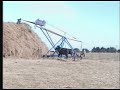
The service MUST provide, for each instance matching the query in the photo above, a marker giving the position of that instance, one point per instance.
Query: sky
(95, 23)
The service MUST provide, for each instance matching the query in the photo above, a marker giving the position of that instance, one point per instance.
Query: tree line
(104, 50)
(101, 49)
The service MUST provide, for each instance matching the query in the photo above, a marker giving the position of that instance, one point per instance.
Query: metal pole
(46, 36)
(50, 38)
(54, 45)
(81, 46)
(69, 44)
(63, 39)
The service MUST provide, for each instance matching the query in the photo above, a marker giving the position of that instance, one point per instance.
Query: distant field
(94, 71)
(103, 56)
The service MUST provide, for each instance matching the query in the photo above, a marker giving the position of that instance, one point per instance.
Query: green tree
(94, 49)
(118, 50)
(77, 49)
(103, 49)
(87, 51)
(111, 49)
(97, 49)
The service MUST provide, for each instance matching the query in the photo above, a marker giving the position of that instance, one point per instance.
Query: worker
(19, 21)
(74, 54)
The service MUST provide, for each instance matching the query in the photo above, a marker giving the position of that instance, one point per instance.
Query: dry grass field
(94, 71)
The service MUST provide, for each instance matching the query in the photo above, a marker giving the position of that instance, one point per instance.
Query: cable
(56, 28)
(56, 33)
(61, 30)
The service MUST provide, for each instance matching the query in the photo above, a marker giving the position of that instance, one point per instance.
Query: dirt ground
(87, 73)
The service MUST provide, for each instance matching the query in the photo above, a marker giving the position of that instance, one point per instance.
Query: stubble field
(94, 71)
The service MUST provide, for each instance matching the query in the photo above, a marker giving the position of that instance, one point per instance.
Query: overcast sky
(96, 23)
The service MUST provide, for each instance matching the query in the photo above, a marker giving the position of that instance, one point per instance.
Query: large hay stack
(20, 41)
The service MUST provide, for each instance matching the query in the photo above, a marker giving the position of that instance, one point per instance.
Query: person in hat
(19, 21)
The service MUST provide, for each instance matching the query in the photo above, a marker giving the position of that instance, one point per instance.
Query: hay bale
(20, 41)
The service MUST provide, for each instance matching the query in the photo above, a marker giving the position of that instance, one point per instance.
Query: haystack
(20, 41)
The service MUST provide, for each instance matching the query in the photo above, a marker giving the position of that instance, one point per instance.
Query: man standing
(74, 54)
(19, 21)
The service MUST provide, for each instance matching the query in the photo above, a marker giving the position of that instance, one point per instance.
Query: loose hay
(20, 41)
